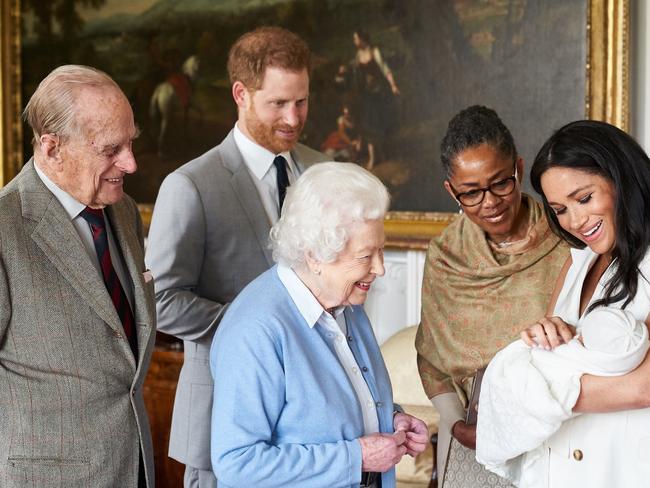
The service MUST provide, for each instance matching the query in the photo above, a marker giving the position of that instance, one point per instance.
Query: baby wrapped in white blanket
(528, 392)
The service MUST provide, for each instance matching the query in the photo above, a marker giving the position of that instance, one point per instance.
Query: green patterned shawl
(473, 304)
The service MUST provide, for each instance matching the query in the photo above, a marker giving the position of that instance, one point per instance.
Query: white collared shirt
(336, 328)
(74, 208)
(259, 162)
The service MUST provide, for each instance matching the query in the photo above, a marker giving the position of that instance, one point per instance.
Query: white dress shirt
(74, 208)
(259, 162)
(336, 328)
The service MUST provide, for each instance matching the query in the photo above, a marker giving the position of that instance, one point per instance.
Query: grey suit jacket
(208, 239)
(72, 413)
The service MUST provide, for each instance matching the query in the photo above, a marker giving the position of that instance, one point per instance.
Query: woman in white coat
(594, 180)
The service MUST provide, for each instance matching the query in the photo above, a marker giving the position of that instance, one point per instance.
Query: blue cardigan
(284, 411)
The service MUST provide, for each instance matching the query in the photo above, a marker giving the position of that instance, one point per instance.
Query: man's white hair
(320, 210)
(51, 109)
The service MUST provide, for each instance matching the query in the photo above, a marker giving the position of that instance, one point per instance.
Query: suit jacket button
(117, 334)
(577, 455)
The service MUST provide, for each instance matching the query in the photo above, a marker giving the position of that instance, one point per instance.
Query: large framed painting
(387, 77)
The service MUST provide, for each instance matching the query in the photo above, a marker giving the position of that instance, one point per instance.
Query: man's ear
(241, 95)
(50, 150)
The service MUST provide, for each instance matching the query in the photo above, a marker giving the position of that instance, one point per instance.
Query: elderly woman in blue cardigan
(302, 397)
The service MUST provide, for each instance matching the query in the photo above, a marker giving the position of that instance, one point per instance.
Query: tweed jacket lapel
(132, 254)
(246, 192)
(56, 236)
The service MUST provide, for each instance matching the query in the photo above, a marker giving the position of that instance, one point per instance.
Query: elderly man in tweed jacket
(77, 317)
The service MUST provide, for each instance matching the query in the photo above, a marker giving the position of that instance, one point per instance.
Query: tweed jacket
(72, 410)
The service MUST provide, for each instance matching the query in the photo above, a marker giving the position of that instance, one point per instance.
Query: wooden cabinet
(159, 391)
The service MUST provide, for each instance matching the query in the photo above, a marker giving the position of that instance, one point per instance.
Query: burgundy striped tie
(95, 217)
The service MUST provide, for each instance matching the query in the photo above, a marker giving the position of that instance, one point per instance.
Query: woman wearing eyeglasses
(594, 180)
(487, 276)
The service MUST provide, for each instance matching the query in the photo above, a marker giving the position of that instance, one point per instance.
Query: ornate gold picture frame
(604, 51)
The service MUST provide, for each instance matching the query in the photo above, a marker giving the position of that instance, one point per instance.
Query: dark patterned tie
(282, 177)
(95, 217)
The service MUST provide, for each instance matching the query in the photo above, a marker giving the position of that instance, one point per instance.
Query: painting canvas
(387, 75)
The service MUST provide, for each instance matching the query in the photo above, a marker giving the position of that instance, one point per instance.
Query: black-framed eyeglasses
(501, 188)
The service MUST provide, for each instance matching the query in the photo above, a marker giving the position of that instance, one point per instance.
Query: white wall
(394, 300)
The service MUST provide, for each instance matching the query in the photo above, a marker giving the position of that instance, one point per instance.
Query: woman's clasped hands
(381, 451)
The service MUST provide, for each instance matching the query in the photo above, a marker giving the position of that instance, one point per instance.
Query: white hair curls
(320, 210)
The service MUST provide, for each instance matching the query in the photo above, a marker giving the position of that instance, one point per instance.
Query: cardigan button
(577, 455)
(364, 369)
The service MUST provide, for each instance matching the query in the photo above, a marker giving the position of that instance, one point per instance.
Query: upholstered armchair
(400, 357)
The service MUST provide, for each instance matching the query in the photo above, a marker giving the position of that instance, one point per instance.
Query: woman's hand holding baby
(548, 333)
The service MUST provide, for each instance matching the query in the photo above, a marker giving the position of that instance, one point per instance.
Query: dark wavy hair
(472, 127)
(601, 149)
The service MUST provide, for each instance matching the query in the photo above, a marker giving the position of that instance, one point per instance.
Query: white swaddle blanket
(528, 392)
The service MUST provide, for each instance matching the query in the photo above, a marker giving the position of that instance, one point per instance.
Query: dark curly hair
(601, 149)
(472, 127)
